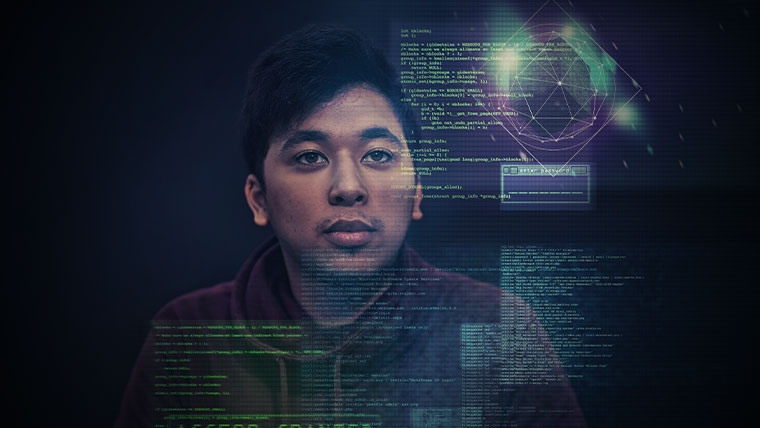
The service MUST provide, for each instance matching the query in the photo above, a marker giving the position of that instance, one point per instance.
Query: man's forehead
(361, 103)
(359, 112)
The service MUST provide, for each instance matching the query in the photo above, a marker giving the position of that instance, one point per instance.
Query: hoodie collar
(262, 289)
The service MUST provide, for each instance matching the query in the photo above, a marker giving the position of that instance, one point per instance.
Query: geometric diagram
(558, 93)
(553, 88)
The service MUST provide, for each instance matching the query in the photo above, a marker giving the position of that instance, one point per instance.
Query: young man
(336, 321)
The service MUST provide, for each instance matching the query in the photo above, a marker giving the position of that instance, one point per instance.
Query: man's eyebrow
(374, 133)
(299, 137)
(379, 132)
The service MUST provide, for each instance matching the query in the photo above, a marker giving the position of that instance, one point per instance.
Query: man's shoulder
(210, 303)
(224, 300)
(477, 294)
(470, 298)
(459, 284)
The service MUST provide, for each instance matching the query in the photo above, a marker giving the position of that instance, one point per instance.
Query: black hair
(307, 68)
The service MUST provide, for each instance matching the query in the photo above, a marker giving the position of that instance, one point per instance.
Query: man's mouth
(349, 233)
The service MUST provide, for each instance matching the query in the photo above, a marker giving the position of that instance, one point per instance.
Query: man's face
(340, 187)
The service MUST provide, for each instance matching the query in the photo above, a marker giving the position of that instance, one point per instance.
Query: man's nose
(347, 185)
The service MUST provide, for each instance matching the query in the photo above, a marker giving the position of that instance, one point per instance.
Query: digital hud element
(552, 87)
(526, 186)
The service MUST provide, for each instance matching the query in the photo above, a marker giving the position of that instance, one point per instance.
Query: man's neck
(336, 298)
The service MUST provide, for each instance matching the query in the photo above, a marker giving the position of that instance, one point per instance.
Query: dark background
(123, 189)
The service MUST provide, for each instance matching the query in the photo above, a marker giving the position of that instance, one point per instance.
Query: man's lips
(349, 233)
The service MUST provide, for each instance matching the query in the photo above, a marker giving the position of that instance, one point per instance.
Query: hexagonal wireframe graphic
(553, 87)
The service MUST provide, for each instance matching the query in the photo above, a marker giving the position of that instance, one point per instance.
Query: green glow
(600, 65)
(507, 40)
(510, 40)
(503, 22)
(628, 116)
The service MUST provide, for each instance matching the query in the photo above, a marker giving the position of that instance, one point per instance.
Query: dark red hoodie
(436, 349)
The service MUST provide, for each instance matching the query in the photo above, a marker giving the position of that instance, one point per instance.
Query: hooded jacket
(435, 349)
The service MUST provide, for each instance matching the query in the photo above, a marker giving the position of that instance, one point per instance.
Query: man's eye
(310, 158)
(378, 156)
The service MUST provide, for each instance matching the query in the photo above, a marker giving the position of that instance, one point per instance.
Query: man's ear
(416, 212)
(257, 200)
